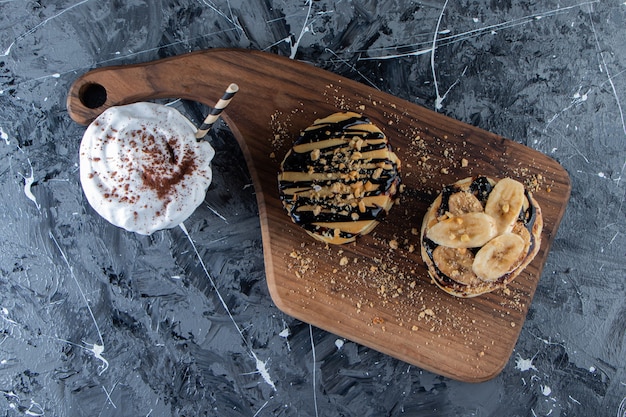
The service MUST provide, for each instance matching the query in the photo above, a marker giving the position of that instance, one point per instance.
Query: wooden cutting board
(376, 291)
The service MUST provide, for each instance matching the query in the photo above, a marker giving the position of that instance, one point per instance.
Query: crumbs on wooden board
(428, 156)
(386, 282)
(386, 293)
(375, 284)
(282, 129)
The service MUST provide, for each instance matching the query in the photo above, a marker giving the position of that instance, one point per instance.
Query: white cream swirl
(142, 168)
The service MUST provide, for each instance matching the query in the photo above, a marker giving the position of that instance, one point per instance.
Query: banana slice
(499, 256)
(520, 230)
(505, 203)
(471, 251)
(456, 264)
(463, 202)
(470, 230)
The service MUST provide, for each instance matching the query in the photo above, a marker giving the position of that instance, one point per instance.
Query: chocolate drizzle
(340, 171)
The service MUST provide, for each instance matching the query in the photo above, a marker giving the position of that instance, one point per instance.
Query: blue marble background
(95, 321)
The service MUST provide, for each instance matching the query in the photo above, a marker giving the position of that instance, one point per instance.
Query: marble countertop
(96, 321)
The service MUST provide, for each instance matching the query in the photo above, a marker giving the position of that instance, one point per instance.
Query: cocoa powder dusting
(163, 171)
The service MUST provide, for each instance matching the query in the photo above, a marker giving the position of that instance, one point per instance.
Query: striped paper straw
(216, 111)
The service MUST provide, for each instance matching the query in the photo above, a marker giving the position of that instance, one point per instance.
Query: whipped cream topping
(142, 168)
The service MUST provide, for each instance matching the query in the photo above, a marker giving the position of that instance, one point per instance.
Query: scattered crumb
(394, 283)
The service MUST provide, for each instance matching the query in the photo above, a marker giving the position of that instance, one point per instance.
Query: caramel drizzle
(340, 177)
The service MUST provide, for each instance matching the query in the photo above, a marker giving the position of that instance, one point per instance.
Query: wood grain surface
(376, 291)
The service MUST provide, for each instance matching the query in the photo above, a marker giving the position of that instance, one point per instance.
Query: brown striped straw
(214, 114)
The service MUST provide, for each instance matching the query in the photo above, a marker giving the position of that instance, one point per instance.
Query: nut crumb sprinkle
(393, 279)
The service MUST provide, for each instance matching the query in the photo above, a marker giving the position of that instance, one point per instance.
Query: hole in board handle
(92, 95)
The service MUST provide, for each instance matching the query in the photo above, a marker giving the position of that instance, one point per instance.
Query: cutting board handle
(200, 76)
(268, 84)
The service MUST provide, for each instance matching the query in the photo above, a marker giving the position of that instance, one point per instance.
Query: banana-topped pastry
(479, 234)
(340, 178)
